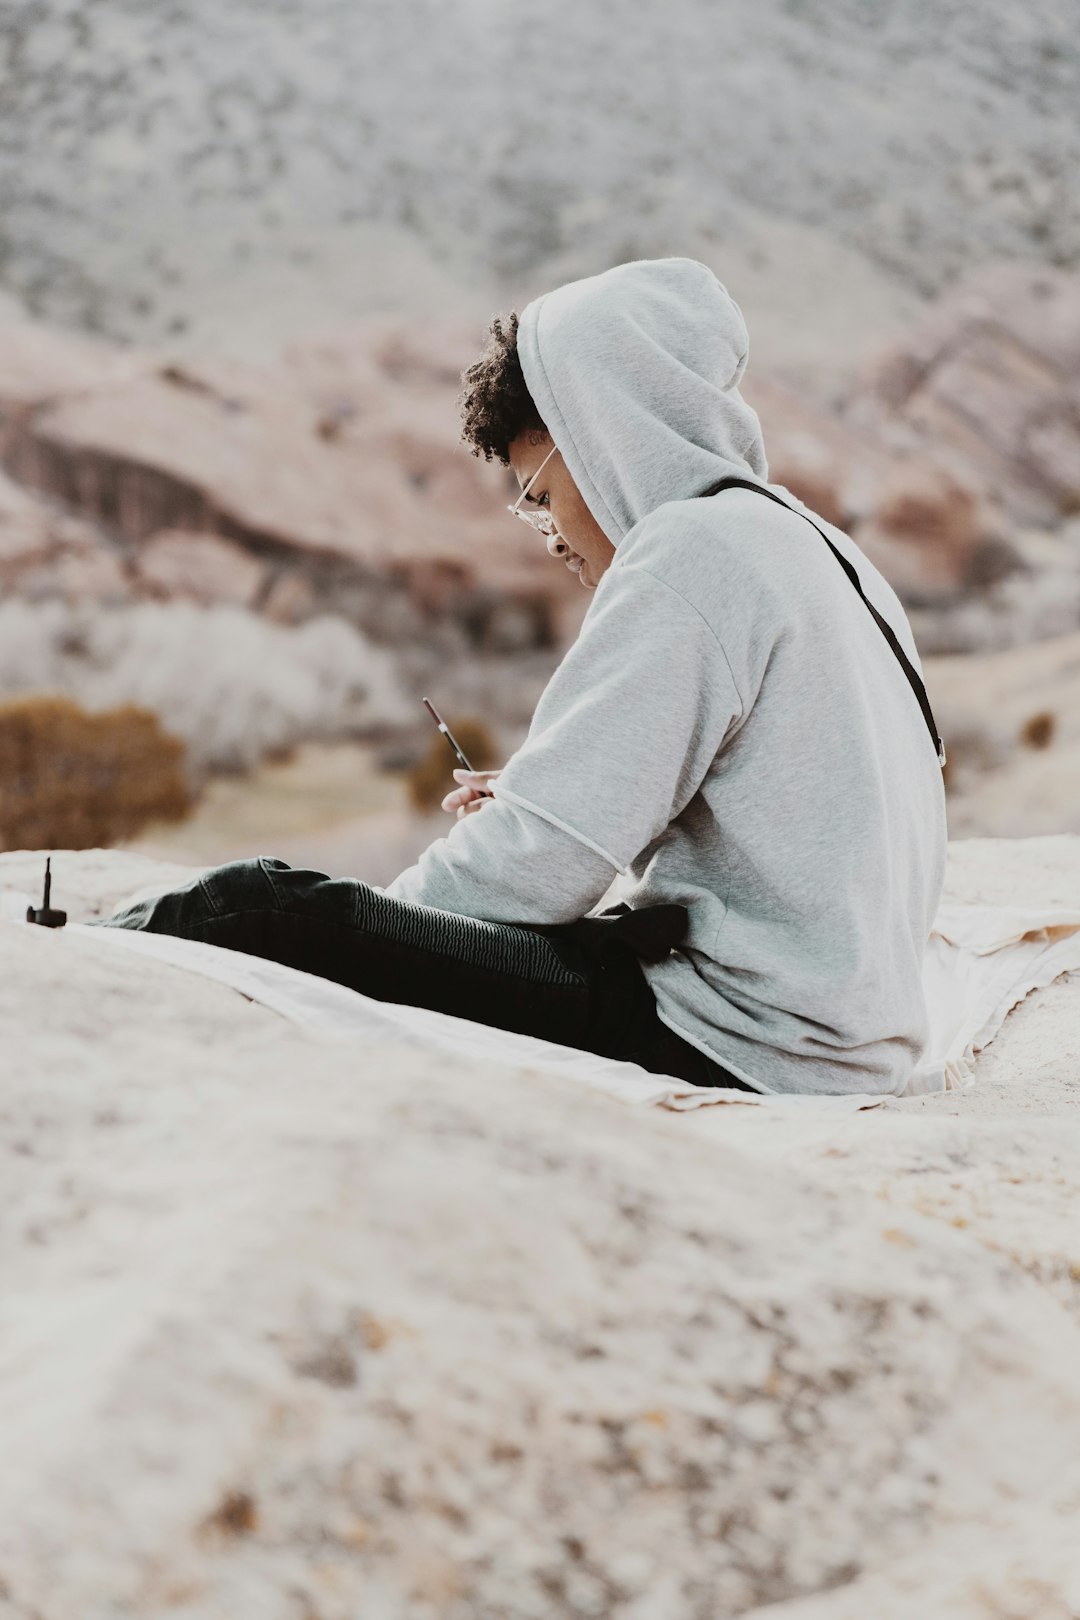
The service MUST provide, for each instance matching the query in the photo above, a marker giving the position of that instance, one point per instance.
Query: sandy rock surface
(931, 533)
(987, 380)
(44, 551)
(1011, 723)
(201, 567)
(328, 479)
(296, 1329)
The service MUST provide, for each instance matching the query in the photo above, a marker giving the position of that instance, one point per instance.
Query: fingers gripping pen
(448, 734)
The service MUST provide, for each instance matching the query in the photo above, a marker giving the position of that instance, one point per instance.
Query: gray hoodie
(730, 730)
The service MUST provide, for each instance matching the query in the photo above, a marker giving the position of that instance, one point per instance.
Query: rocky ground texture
(310, 525)
(331, 479)
(292, 1329)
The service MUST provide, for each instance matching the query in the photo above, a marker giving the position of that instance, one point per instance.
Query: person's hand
(473, 794)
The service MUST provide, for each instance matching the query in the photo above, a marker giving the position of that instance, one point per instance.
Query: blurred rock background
(245, 255)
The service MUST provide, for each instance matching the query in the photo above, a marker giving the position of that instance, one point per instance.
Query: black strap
(886, 629)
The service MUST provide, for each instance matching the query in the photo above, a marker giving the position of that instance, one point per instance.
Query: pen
(448, 734)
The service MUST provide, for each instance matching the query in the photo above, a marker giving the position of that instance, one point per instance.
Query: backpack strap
(886, 629)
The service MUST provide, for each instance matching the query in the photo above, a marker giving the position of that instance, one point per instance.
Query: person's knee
(246, 888)
(236, 886)
(245, 885)
(301, 891)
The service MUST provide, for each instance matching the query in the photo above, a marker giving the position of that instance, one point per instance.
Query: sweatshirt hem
(555, 821)
(732, 1068)
(777, 1091)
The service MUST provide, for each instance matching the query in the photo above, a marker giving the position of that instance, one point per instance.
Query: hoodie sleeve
(621, 740)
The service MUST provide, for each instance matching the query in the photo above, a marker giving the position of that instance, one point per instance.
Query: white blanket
(980, 961)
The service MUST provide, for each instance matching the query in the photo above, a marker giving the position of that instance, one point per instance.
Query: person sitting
(737, 736)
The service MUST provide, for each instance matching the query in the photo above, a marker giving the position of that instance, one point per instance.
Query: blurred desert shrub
(73, 780)
(232, 686)
(431, 778)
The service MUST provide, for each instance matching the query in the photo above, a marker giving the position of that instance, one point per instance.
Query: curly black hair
(495, 404)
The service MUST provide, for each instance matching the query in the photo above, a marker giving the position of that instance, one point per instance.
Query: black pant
(571, 985)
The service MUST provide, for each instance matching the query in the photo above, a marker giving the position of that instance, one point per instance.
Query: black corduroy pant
(577, 985)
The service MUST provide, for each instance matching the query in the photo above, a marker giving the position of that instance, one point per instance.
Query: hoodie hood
(635, 375)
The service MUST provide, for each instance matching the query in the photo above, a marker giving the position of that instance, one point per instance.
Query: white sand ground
(291, 1328)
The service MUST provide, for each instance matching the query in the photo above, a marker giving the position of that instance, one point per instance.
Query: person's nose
(557, 546)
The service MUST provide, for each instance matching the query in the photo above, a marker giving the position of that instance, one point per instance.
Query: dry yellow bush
(71, 779)
(430, 778)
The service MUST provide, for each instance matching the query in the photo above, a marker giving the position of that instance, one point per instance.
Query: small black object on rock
(47, 917)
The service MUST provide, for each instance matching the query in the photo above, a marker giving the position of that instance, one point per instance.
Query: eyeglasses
(542, 522)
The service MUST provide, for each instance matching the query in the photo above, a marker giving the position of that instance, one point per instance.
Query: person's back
(730, 731)
(812, 855)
